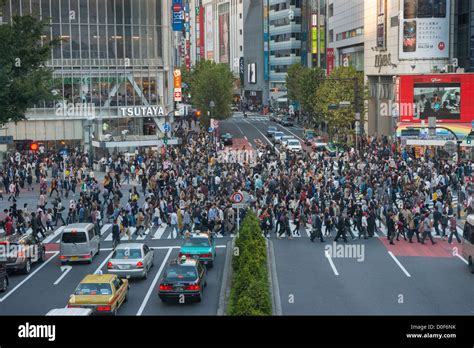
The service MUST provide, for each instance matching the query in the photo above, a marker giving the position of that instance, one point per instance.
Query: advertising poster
(224, 37)
(209, 34)
(424, 29)
(266, 40)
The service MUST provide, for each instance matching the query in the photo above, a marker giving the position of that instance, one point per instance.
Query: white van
(468, 245)
(79, 242)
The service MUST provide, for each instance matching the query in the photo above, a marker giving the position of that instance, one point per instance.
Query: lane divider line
(28, 277)
(331, 263)
(399, 264)
(153, 284)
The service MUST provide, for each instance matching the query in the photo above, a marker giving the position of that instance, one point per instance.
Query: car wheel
(471, 265)
(98, 250)
(199, 299)
(90, 260)
(27, 268)
(4, 285)
(211, 264)
(114, 313)
(126, 297)
(145, 276)
(205, 283)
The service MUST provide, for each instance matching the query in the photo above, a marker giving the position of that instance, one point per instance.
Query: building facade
(402, 38)
(346, 33)
(285, 22)
(114, 59)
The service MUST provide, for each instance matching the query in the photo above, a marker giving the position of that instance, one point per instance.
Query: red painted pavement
(441, 249)
(240, 143)
(52, 246)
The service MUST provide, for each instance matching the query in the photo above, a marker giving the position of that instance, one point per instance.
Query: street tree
(24, 79)
(210, 82)
(339, 87)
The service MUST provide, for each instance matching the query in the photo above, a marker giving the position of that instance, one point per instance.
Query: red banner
(329, 60)
(202, 33)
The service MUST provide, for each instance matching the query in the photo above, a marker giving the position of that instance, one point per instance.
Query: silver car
(131, 260)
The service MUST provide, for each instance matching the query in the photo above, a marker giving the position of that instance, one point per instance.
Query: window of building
(240, 31)
(331, 35)
(350, 33)
(394, 21)
(241, 48)
(331, 10)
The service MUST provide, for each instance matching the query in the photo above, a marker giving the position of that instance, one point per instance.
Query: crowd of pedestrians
(354, 194)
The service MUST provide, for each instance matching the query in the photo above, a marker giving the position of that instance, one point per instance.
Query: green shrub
(250, 289)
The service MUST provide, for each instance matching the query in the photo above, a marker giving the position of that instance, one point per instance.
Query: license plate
(74, 258)
(178, 288)
(124, 266)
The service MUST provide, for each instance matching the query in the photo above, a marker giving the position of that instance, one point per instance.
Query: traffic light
(34, 147)
(165, 141)
(468, 140)
(198, 114)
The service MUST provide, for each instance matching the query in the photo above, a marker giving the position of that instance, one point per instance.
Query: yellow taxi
(102, 293)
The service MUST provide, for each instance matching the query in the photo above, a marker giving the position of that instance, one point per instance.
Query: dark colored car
(22, 251)
(3, 278)
(287, 121)
(226, 139)
(183, 279)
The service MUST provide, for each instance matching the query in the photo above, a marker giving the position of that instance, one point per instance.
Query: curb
(273, 279)
(226, 279)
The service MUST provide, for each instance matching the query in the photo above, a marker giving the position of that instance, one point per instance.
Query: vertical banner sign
(197, 34)
(381, 23)
(329, 60)
(424, 29)
(187, 57)
(202, 34)
(178, 15)
(266, 42)
(322, 39)
(224, 34)
(314, 33)
(241, 71)
(177, 85)
(209, 34)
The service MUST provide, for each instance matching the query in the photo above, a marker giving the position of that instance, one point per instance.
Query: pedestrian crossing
(430, 204)
(251, 119)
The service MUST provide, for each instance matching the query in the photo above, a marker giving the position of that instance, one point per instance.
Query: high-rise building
(346, 33)
(285, 19)
(112, 72)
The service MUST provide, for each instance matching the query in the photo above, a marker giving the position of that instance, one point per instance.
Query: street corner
(441, 249)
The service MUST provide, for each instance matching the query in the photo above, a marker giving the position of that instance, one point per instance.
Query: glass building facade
(110, 56)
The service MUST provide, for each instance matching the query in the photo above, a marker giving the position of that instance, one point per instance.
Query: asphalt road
(36, 293)
(375, 279)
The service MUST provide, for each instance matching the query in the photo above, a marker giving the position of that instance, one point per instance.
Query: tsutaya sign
(142, 111)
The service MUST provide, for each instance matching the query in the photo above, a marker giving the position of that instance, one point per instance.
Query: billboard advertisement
(329, 60)
(202, 33)
(209, 34)
(381, 23)
(224, 37)
(448, 97)
(424, 29)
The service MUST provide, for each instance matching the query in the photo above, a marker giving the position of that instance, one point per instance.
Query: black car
(226, 139)
(3, 278)
(183, 279)
(287, 121)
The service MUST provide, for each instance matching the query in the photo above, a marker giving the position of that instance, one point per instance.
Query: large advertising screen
(424, 29)
(224, 37)
(447, 97)
(209, 39)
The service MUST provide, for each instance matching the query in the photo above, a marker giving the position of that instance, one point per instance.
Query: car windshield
(272, 129)
(174, 273)
(199, 242)
(279, 134)
(93, 289)
(74, 237)
(293, 142)
(126, 253)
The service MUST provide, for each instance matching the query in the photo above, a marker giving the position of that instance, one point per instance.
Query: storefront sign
(142, 111)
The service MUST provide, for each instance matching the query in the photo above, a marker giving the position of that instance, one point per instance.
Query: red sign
(202, 51)
(329, 60)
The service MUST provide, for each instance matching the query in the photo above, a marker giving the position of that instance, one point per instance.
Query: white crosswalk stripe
(56, 233)
(143, 236)
(159, 232)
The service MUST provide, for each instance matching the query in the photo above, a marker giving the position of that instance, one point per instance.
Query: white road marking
(165, 247)
(463, 259)
(153, 284)
(328, 256)
(263, 135)
(291, 132)
(399, 264)
(103, 262)
(29, 276)
(159, 232)
(105, 228)
(65, 270)
(53, 235)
